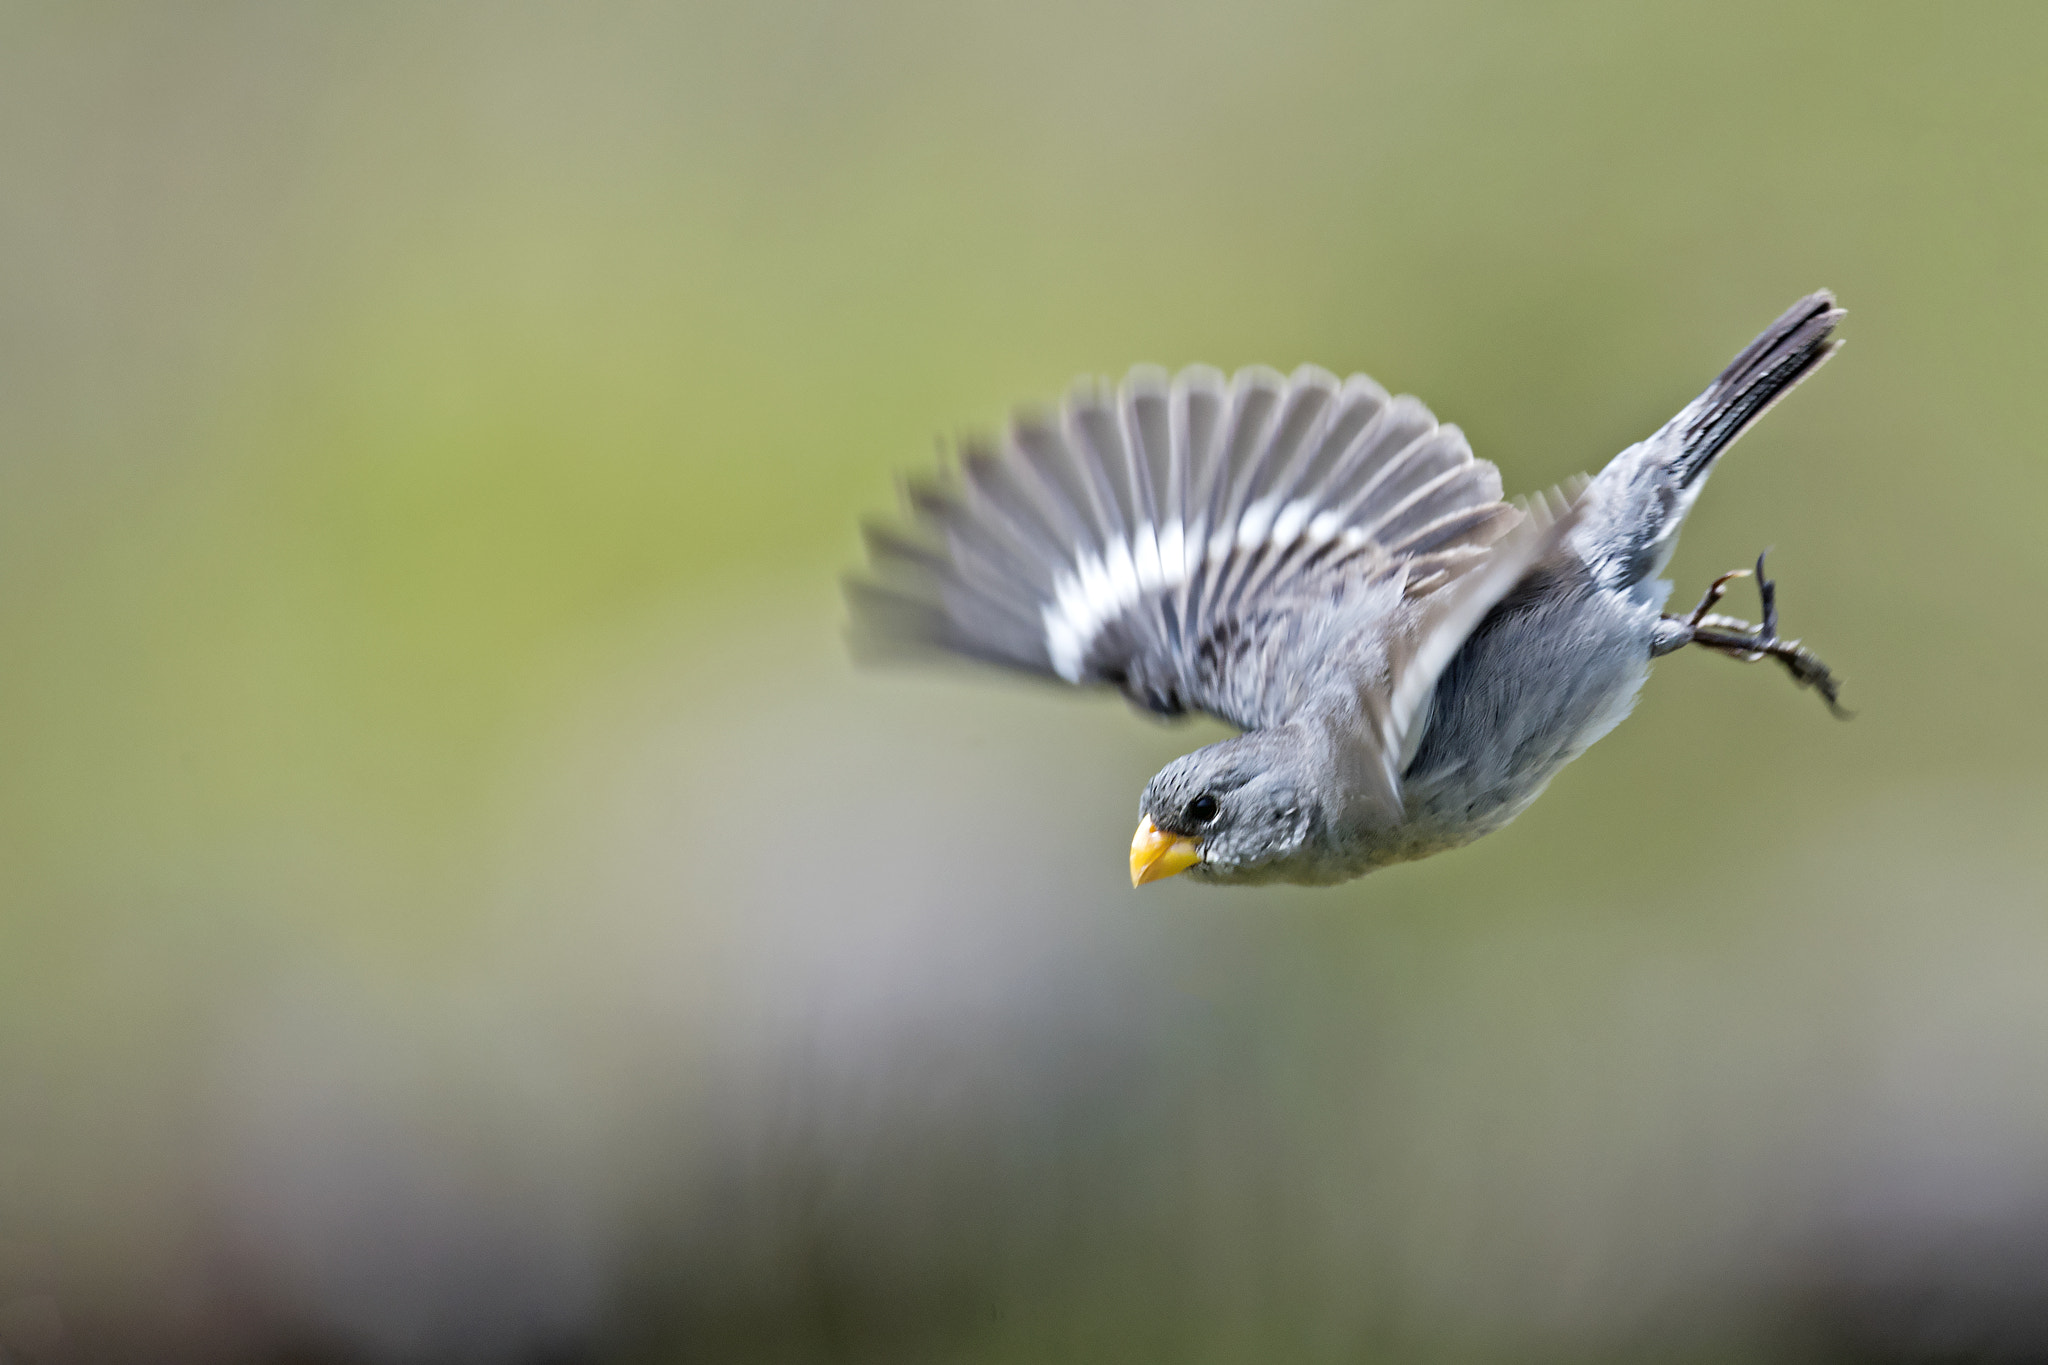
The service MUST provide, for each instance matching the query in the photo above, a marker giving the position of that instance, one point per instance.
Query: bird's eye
(1202, 809)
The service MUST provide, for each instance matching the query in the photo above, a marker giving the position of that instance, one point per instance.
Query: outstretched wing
(1220, 545)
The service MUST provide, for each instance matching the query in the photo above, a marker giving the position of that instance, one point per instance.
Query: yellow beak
(1155, 854)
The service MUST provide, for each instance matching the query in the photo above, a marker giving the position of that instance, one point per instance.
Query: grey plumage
(1332, 571)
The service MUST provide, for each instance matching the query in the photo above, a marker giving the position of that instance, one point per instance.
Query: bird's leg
(1745, 642)
(1716, 590)
(1676, 632)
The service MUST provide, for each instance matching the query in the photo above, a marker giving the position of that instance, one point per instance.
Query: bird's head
(1245, 810)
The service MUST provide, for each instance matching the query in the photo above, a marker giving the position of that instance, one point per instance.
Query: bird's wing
(1229, 546)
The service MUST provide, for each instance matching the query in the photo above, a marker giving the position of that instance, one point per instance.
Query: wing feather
(1183, 537)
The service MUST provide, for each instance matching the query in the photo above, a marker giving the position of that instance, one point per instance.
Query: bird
(1408, 658)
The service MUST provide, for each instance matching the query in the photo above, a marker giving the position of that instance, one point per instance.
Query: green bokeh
(403, 404)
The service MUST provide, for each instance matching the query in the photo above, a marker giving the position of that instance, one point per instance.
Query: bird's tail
(1639, 501)
(1789, 349)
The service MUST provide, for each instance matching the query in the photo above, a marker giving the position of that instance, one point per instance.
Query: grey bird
(1410, 659)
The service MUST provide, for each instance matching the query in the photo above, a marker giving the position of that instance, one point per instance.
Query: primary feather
(1164, 536)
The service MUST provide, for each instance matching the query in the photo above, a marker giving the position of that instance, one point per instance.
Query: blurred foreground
(460, 905)
(750, 1056)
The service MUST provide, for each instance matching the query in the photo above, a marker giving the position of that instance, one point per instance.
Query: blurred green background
(460, 904)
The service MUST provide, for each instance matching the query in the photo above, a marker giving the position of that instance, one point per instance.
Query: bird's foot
(1745, 642)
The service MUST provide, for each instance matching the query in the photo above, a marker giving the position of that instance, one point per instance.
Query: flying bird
(1409, 658)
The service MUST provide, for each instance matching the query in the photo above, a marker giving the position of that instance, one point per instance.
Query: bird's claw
(1715, 591)
(1747, 643)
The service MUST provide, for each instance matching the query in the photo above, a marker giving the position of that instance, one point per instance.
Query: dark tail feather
(1768, 368)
